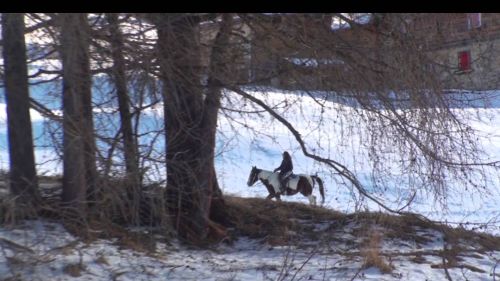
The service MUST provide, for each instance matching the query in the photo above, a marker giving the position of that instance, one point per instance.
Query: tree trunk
(79, 145)
(190, 139)
(130, 148)
(23, 180)
(187, 190)
(219, 69)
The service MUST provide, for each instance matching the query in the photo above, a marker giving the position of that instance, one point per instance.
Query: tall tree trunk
(193, 195)
(189, 173)
(23, 180)
(130, 147)
(219, 69)
(79, 145)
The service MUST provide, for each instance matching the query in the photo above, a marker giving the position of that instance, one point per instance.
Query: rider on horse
(285, 169)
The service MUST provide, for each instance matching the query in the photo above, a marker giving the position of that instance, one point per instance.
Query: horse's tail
(321, 187)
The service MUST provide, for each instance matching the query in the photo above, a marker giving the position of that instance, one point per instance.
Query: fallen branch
(14, 246)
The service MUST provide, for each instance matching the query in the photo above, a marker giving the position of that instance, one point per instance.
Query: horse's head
(252, 178)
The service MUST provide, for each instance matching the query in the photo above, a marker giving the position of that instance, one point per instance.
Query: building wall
(263, 52)
(238, 52)
(483, 43)
(441, 37)
(485, 66)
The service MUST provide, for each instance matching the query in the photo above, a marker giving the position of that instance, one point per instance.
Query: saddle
(290, 180)
(287, 178)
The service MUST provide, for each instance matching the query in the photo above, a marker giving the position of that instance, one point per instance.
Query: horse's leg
(306, 189)
(312, 199)
(271, 191)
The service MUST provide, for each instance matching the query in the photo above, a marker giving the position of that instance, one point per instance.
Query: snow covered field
(40, 250)
(240, 148)
(46, 251)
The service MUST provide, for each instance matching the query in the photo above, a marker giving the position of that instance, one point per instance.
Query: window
(473, 20)
(464, 61)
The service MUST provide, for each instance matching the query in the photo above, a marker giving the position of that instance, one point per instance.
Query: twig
(494, 268)
(444, 262)
(338, 167)
(10, 244)
(357, 273)
(305, 262)
(283, 273)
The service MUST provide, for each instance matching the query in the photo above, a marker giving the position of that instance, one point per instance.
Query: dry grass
(13, 278)
(396, 227)
(275, 221)
(73, 269)
(288, 223)
(102, 260)
(372, 255)
(418, 258)
(137, 241)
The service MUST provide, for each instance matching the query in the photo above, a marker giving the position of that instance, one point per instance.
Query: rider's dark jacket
(286, 166)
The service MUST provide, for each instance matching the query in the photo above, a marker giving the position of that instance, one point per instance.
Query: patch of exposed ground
(378, 238)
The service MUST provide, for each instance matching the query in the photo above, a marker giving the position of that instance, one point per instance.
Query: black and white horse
(295, 183)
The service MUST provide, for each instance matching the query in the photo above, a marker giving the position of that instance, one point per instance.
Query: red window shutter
(464, 62)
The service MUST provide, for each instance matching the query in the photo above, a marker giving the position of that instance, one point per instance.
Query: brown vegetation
(372, 255)
(283, 223)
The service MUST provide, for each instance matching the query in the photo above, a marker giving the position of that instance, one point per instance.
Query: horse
(295, 183)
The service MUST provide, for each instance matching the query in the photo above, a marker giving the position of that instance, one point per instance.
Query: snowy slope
(239, 148)
(42, 250)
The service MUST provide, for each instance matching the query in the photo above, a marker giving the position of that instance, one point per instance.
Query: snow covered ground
(240, 149)
(42, 250)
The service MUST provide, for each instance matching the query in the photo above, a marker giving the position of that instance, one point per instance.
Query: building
(468, 47)
(323, 51)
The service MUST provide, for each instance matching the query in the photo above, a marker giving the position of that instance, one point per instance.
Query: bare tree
(382, 72)
(190, 122)
(391, 80)
(79, 148)
(188, 192)
(133, 175)
(23, 180)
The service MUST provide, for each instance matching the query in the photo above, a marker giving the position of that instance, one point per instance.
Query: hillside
(268, 241)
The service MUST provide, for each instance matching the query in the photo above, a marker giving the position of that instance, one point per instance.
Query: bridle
(253, 176)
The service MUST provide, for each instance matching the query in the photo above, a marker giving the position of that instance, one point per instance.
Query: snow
(44, 250)
(240, 148)
(312, 62)
(360, 18)
(322, 131)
